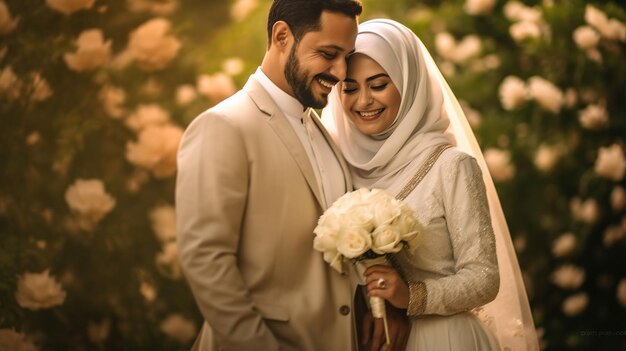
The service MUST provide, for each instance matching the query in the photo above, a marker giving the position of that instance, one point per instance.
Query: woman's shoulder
(453, 158)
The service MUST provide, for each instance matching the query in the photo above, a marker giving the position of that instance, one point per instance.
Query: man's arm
(211, 193)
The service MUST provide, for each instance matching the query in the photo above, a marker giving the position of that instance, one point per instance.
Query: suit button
(344, 310)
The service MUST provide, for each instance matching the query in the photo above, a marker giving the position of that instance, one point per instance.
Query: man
(255, 172)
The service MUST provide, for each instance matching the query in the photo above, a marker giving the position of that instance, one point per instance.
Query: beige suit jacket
(247, 202)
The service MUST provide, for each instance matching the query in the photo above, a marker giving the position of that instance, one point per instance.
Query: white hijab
(418, 128)
(421, 121)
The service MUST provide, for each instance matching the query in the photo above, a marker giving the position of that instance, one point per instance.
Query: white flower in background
(612, 235)
(513, 93)
(618, 198)
(40, 89)
(217, 87)
(499, 164)
(167, 261)
(525, 29)
(156, 149)
(148, 291)
(529, 14)
(112, 99)
(575, 304)
(547, 156)
(620, 294)
(610, 29)
(545, 93)
(470, 46)
(179, 328)
(137, 179)
(232, 66)
(594, 117)
(445, 44)
(7, 22)
(146, 115)
(39, 290)
(586, 211)
(611, 163)
(10, 84)
(513, 9)
(242, 8)
(89, 200)
(151, 88)
(570, 98)
(33, 138)
(586, 38)
(99, 332)
(185, 94)
(479, 7)
(67, 7)
(473, 117)
(163, 220)
(92, 51)
(151, 46)
(564, 245)
(568, 276)
(159, 8)
(10, 340)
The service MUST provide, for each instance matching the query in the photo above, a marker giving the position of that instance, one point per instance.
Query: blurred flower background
(95, 95)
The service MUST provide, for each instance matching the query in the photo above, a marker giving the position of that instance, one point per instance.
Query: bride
(401, 129)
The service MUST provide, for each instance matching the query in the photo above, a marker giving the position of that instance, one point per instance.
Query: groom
(255, 172)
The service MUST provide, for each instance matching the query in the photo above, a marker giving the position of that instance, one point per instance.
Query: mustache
(328, 78)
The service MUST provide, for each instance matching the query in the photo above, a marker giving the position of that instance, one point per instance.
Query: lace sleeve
(475, 280)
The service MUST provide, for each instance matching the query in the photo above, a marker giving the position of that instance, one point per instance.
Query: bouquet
(365, 226)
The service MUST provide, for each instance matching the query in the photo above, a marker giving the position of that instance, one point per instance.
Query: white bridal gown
(455, 268)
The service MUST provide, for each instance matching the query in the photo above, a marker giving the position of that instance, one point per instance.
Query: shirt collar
(286, 103)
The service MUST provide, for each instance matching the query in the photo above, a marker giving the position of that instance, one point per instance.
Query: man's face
(318, 61)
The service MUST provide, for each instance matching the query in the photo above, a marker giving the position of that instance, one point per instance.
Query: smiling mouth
(326, 83)
(370, 115)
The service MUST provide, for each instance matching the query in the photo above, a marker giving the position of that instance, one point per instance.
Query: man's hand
(373, 330)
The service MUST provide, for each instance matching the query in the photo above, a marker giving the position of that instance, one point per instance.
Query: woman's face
(369, 97)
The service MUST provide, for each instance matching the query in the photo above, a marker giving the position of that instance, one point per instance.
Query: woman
(396, 122)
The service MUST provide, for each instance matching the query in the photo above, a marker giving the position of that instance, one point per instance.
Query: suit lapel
(283, 129)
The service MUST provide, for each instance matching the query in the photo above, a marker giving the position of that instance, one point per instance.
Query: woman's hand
(385, 282)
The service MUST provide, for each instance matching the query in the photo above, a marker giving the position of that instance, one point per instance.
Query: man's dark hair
(303, 16)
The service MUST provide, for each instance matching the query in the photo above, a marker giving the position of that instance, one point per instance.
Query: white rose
(445, 44)
(546, 94)
(40, 89)
(39, 290)
(467, 48)
(564, 245)
(185, 94)
(610, 29)
(586, 211)
(7, 22)
(10, 84)
(334, 259)
(513, 9)
(568, 277)
(575, 304)
(112, 100)
(499, 164)
(386, 239)
(156, 149)
(586, 38)
(216, 87)
(354, 242)
(547, 157)
(412, 232)
(67, 7)
(479, 7)
(151, 46)
(233, 66)
(179, 328)
(163, 220)
(611, 163)
(524, 29)
(530, 14)
(10, 340)
(99, 332)
(89, 199)
(618, 198)
(513, 93)
(167, 261)
(621, 292)
(385, 209)
(359, 216)
(594, 117)
(147, 115)
(242, 8)
(92, 51)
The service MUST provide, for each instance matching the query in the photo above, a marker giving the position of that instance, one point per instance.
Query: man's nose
(339, 68)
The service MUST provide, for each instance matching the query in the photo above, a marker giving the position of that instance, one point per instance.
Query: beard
(297, 80)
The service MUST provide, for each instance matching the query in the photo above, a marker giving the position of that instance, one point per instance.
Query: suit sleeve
(211, 193)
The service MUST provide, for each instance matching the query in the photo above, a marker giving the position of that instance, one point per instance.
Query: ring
(381, 283)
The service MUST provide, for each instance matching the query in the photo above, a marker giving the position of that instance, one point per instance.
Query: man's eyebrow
(334, 47)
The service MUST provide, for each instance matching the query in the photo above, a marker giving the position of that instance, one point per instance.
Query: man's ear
(281, 35)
